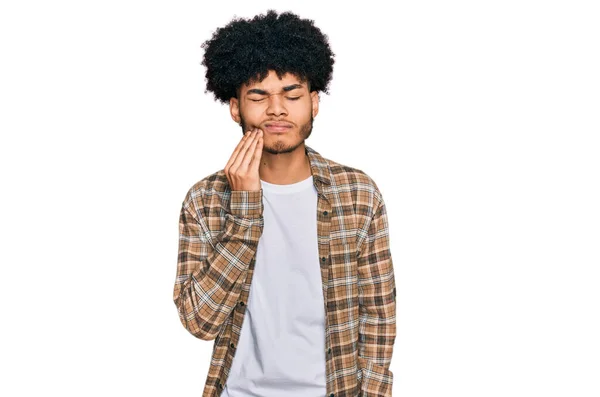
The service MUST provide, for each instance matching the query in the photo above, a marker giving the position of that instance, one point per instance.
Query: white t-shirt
(281, 351)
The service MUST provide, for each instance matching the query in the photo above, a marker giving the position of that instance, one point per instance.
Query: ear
(234, 109)
(314, 97)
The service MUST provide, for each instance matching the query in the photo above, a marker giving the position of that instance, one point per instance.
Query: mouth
(277, 127)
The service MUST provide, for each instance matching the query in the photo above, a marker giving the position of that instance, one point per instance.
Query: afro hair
(244, 51)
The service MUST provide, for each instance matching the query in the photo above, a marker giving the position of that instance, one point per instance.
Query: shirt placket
(323, 231)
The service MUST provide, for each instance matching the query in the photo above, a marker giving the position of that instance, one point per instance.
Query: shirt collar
(319, 167)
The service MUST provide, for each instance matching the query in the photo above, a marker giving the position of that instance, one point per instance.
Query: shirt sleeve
(210, 275)
(377, 307)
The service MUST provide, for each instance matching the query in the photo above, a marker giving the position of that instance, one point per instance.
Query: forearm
(210, 277)
(377, 308)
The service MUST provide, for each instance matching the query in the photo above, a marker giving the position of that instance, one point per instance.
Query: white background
(479, 121)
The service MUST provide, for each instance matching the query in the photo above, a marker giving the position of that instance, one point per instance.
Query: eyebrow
(263, 92)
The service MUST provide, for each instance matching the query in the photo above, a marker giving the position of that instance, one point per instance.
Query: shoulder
(358, 182)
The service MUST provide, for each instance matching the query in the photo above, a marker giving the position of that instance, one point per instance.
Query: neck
(285, 168)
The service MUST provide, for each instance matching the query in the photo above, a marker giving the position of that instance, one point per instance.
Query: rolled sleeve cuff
(246, 203)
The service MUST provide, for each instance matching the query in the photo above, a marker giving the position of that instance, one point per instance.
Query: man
(284, 255)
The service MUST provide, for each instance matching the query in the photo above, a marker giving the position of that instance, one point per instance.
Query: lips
(278, 124)
(277, 127)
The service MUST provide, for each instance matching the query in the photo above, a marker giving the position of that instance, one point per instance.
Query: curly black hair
(244, 51)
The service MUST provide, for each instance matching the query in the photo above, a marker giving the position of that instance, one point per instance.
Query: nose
(276, 105)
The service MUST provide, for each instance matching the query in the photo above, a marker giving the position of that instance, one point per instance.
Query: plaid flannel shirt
(219, 230)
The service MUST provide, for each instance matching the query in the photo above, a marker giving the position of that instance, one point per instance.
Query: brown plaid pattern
(219, 230)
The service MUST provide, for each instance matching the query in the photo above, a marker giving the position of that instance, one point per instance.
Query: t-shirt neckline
(288, 188)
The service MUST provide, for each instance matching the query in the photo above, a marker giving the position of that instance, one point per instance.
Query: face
(272, 100)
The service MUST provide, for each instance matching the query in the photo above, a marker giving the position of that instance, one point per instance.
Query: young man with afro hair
(284, 256)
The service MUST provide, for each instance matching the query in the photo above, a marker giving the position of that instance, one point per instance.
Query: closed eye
(291, 99)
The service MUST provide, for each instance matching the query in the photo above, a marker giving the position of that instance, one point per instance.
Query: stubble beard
(279, 146)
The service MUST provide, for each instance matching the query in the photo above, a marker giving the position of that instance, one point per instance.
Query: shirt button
(325, 213)
(331, 395)
(241, 303)
(220, 385)
(329, 351)
(232, 345)
(323, 259)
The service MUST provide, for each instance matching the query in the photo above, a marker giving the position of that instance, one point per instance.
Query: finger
(248, 156)
(239, 148)
(239, 160)
(255, 164)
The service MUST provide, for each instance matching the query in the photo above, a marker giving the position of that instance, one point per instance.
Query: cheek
(253, 115)
(307, 110)
(300, 107)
